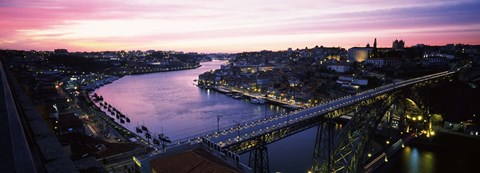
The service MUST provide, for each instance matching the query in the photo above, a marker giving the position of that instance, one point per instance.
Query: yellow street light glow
(420, 118)
(136, 161)
(432, 132)
(414, 119)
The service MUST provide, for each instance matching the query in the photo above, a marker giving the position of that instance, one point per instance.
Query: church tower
(374, 50)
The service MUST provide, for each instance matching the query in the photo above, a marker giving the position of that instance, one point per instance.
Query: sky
(233, 25)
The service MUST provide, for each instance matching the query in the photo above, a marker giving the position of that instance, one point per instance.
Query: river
(168, 102)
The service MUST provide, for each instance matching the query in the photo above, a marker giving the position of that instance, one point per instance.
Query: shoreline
(93, 86)
(95, 109)
(249, 96)
(167, 70)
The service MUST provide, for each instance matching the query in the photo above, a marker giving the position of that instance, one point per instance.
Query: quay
(250, 96)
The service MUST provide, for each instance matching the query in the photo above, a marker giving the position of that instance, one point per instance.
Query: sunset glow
(232, 25)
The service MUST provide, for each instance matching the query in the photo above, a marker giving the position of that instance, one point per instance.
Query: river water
(168, 102)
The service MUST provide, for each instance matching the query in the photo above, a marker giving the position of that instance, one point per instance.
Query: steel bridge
(343, 152)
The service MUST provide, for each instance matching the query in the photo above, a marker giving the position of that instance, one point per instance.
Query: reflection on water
(168, 102)
(416, 161)
(447, 153)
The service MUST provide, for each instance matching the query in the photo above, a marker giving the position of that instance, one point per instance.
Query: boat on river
(257, 101)
(138, 130)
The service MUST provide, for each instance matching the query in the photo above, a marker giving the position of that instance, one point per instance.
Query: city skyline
(232, 26)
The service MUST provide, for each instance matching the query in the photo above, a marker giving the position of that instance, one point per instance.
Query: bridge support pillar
(258, 159)
(323, 147)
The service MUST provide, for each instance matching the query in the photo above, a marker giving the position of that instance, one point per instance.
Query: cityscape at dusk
(232, 26)
(223, 86)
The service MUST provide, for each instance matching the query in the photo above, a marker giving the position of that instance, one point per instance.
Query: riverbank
(139, 72)
(96, 110)
(256, 96)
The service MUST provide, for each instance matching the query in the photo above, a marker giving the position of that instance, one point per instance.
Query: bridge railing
(212, 132)
(22, 157)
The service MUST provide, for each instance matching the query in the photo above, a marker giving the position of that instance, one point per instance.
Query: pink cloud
(227, 25)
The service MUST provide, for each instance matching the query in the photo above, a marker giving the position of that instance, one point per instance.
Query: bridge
(341, 153)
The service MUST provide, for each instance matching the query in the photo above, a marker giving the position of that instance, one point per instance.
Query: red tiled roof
(193, 161)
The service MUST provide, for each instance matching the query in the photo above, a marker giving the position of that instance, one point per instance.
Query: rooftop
(193, 161)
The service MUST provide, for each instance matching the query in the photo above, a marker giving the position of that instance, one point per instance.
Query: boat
(128, 119)
(156, 142)
(147, 135)
(138, 130)
(257, 101)
(164, 138)
(238, 96)
(122, 121)
(144, 128)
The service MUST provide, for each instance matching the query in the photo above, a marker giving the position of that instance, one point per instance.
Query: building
(360, 81)
(358, 54)
(340, 68)
(61, 51)
(197, 160)
(351, 80)
(69, 123)
(376, 62)
(380, 62)
(263, 82)
(398, 44)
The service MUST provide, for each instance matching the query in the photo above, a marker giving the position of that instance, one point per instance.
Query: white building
(340, 68)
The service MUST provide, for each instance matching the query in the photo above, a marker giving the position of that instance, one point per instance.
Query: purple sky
(233, 25)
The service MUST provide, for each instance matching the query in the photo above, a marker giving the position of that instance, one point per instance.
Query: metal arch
(247, 144)
(351, 142)
(324, 143)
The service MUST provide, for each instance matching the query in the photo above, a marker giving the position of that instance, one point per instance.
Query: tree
(437, 119)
